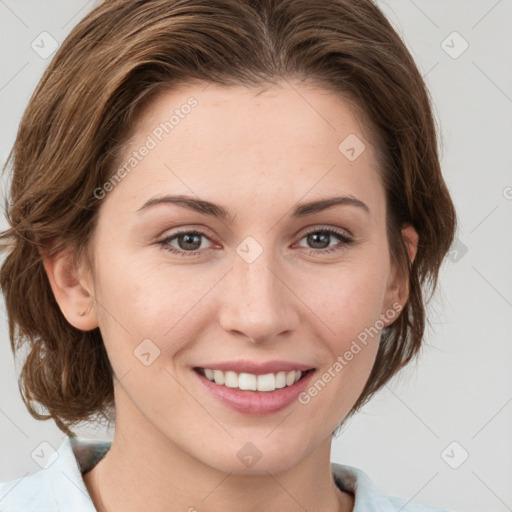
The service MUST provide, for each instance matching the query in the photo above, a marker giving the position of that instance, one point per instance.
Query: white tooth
(218, 375)
(290, 378)
(247, 381)
(266, 382)
(280, 380)
(230, 379)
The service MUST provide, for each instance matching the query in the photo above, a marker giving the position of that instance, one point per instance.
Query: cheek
(348, 299)
(146, 300)
(349, 305)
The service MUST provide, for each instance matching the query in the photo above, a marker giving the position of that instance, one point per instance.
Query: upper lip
(245, 366)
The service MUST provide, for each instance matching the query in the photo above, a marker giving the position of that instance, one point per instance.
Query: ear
(72, 288)
(398, 286)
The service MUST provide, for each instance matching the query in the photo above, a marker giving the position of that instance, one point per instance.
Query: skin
(258, 154)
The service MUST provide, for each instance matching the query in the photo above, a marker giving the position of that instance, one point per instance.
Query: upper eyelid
(204, 231)
(326, 228)
(184, 230)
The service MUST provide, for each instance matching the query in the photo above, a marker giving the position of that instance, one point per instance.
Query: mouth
(243, 381)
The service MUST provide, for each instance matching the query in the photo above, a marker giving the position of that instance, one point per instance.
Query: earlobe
(72, 293)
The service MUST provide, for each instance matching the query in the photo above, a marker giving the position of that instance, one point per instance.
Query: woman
(225, 219)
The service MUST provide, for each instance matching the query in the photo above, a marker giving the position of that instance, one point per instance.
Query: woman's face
(271, 281)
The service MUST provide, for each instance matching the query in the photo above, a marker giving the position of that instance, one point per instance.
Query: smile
(256, 394)
(250, 381)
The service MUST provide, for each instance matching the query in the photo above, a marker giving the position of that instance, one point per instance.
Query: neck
(145, 470)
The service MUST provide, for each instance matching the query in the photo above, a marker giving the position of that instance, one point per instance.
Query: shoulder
(368, 498)
(59, 486)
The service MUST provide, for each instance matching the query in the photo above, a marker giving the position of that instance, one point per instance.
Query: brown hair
(120, 56)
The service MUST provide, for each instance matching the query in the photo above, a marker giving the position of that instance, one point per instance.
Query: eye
(320, 240)
(188, 241)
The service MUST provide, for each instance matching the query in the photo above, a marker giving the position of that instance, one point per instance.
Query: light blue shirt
(59, 486)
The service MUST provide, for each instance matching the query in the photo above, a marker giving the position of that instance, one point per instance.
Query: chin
(258, 454)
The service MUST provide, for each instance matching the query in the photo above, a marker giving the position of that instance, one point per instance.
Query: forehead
(220, 142)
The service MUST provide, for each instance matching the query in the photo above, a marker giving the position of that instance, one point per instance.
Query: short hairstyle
(125, 52)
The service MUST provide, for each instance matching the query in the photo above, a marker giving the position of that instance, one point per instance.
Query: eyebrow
(214, 210)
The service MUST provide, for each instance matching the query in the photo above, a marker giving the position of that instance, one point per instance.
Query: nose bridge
(257, 302)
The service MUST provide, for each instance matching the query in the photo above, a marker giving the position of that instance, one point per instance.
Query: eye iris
(314, 239)
(190, 239)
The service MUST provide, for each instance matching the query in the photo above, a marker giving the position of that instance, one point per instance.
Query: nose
(257, 302)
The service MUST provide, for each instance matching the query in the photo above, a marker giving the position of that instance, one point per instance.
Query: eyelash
(341, 235)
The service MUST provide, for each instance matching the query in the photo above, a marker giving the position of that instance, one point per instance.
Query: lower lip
(256, 402)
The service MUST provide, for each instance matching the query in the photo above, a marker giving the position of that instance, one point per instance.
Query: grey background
(456, 401)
